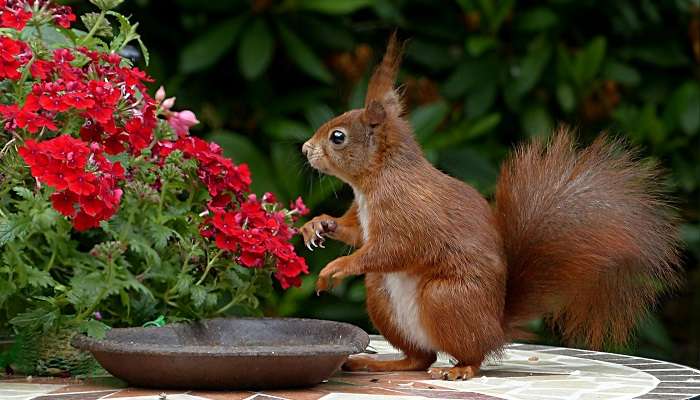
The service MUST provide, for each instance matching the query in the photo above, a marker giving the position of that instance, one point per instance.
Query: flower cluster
(77, 110)
(16, 13)
(240, 224)
(111, 98)
(84, 180)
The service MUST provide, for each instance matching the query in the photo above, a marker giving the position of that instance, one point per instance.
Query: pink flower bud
(269, 198)
(168, 103)
(182, 121)
(160, 94)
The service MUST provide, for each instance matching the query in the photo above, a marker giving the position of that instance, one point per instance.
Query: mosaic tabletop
(525, 372)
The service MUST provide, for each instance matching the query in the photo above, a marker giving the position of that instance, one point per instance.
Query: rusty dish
(227, 353)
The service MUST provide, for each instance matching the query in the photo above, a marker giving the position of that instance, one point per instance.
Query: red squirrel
(581, 237)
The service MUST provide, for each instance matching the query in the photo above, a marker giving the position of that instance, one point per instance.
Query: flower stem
(235, 300)
(161, 200)
(23, 78)
(209, 265)
(92, 32)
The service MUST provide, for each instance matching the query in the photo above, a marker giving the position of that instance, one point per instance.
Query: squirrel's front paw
(333, 274)
(316, 231)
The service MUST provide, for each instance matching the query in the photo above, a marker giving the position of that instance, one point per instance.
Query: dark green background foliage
(479, 77)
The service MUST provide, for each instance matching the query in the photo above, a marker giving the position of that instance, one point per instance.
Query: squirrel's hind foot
(458, 372)
(369, 364)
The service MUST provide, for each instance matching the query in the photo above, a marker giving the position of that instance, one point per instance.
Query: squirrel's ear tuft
(375, 113)
(381, 84)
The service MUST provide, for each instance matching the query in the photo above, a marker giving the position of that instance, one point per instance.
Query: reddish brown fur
(594, 217)
(580, 237)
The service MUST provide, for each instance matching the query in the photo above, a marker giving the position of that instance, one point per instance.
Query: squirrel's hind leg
(379, 311)
(370, 364)
(462, 317)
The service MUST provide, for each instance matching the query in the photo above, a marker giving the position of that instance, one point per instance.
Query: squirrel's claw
(316, 231)
(321, 285)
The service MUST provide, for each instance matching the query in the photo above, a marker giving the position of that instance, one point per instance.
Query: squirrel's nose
(305, 148)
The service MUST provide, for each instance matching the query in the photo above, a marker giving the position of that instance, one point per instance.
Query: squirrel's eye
(337, 137)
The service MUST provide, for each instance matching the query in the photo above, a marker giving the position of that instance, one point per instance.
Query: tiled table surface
(525, 372)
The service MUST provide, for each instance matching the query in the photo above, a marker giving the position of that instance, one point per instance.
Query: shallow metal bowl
(227, 353)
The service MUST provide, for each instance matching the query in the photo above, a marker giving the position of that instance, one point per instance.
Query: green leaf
(51, 36)
(566, 97)
(480, 99)
(329, 33)
(432, 54)
(94, 328)
(690, 113)
(39, 278)
(144, 51)
(470, 74)
(470, 166)
(683, 108)
(7, 290)
(479, 44)
(198, 294)
(622, 73)
(526, 76)
(286, 129)
(90, 20)
(536, 20)
(37, 319)
(667, 55)
(288, 164)
(242, 150)
(303, 56)
(255, 51)
(588, 62)
(317, 114)
(10, 229)
(106, 4)
(652, 329)
(465, 131)
(536, 121)
(23, 192)
(334, 7)
(208, 48)
(427, 118)
(160, 235)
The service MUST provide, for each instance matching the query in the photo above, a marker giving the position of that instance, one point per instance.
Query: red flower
(83, 222)
(13, 15)
(140, 135)
(13, 54)
(81, 184)
(64, 202)
(299, 207)
(63, 15)
(41, 69)
(81, 175)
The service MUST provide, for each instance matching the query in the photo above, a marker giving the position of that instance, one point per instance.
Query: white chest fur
(362, 214)
(402, 290)
(403, 295)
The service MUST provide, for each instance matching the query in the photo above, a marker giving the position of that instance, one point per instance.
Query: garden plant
(111, 214)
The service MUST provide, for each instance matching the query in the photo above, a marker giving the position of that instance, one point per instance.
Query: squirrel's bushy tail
(589, 239)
